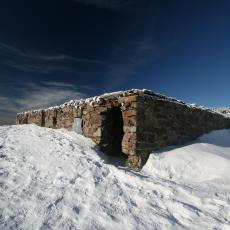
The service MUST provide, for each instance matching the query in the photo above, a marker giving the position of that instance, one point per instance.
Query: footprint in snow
(76, 210)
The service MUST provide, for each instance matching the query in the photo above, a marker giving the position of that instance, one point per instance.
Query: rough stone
(150, 121)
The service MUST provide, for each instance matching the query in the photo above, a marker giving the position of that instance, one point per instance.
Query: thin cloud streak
(41, 68)
(60, 57)
(37, 96)
(45, 64)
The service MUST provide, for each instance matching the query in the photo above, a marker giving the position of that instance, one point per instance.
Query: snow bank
(55, 179)
(206, 159)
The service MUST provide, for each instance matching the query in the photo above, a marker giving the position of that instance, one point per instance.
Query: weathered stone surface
(36, 117)
(150, 121)
(22, 118)
(163, 123)
(129, 113)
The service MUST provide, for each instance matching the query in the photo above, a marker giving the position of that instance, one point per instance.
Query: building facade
(131, 123)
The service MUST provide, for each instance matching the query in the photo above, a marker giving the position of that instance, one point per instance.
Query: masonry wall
(161, 123)
(92, 115)
(150, 122)
(93, 118)
(51, 118)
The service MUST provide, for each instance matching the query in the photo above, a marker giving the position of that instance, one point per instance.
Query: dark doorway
(112, 132)
(43, 115)
(54, 122)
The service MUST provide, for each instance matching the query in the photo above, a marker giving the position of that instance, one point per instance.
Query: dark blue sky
(55, 50)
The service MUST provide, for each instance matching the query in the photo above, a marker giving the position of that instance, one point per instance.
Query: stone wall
(36, 117)
(162, 123)
(150, 121)
(60, 117)
(92, 114)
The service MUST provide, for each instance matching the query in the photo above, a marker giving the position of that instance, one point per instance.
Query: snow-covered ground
(55, 179)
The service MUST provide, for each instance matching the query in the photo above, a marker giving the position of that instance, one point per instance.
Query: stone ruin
(130, 123)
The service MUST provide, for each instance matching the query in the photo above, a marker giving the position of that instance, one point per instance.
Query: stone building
(131, 123)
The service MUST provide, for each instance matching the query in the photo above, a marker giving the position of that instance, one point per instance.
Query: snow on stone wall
(162, 123)
(225, 111)
(150, 121)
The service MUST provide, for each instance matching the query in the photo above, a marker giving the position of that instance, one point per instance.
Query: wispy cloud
(40, 68)
(129, 56)
(59, 57)
(36, 96)
(44, 96)
(132, 55)
(64, 57)
(45, 64)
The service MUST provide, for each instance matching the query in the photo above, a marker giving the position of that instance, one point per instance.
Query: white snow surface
(55, 179)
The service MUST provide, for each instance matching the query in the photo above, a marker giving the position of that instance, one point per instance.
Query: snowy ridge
(55, 179)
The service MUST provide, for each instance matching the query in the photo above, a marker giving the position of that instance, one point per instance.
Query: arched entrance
(112, 132)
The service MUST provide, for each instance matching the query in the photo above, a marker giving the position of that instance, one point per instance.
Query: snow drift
(55, 179)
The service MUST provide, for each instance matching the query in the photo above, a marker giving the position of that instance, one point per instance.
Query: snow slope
(55, 179)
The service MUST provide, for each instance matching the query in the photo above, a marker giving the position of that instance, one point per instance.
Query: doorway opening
(54, 122)
(112, 133)
(43, 116)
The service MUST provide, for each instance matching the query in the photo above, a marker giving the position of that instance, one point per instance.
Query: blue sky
(54, 51)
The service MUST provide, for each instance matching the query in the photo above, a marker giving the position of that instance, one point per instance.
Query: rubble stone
(150, 121)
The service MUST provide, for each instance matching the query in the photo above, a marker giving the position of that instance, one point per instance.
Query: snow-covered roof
(141, 92)
(224, 111)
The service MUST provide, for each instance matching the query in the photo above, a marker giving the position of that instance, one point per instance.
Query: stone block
(129, 113)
